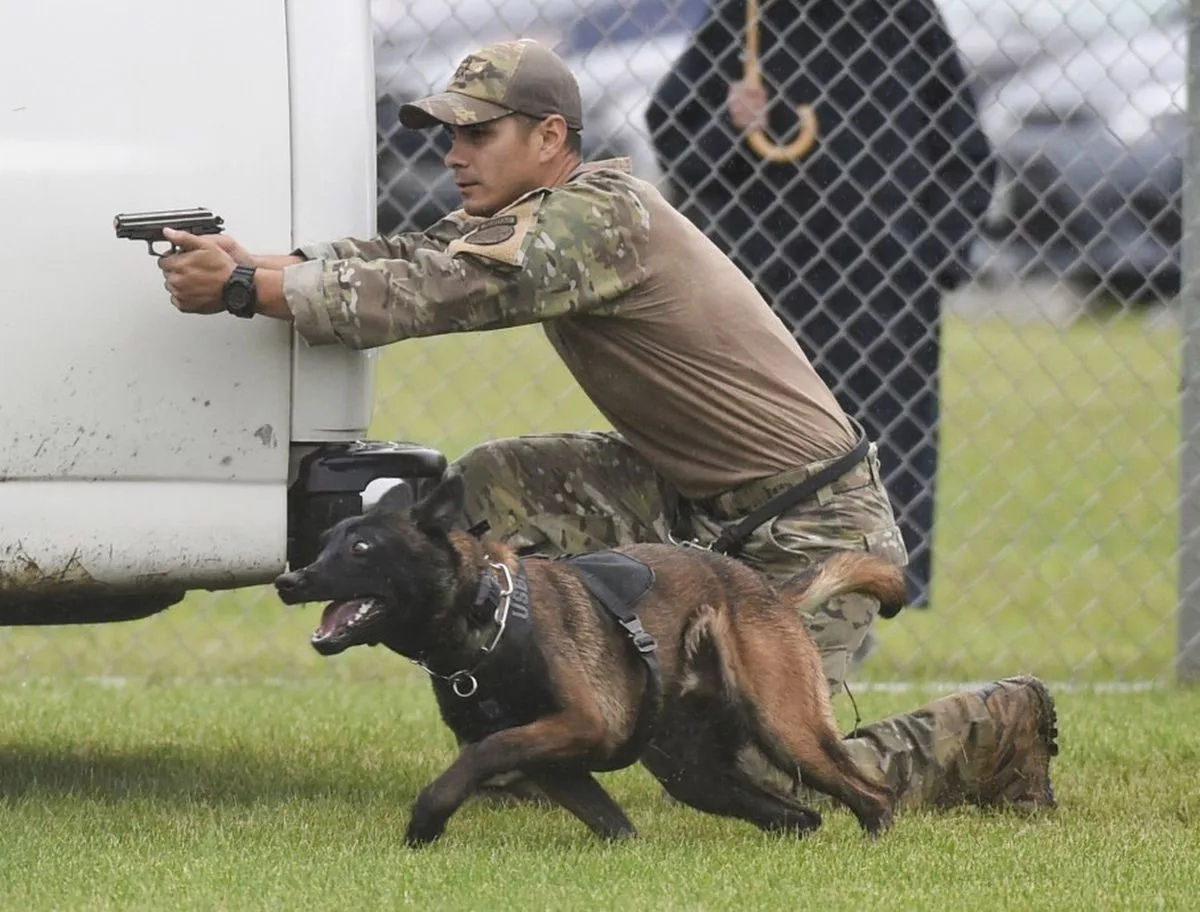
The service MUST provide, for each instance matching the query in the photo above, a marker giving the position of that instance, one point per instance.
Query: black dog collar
(502, 601)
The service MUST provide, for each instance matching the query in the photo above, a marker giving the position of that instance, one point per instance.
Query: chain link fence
(1038, 397)
(1027, 372)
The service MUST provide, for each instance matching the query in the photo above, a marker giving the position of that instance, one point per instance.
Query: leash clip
(688, 543)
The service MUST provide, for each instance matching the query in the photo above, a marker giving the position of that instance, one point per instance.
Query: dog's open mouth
(346, 624)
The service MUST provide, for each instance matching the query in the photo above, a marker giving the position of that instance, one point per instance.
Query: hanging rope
(758, 140)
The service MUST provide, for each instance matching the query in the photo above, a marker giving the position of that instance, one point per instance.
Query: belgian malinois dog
(534, 676)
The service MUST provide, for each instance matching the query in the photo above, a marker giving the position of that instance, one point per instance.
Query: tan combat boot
(1014, 771)
(990, 746)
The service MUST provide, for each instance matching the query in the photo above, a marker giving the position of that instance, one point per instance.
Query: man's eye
(360, 547)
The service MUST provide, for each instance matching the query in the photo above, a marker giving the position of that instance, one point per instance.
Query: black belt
(733, 538)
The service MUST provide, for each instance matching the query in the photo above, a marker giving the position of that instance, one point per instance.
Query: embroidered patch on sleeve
(502, 237)
(493, 231)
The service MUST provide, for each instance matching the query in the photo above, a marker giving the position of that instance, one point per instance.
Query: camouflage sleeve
(572, 249)
(395, 247)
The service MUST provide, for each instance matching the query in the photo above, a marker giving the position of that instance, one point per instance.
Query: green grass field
(207, 758)
(195, 795)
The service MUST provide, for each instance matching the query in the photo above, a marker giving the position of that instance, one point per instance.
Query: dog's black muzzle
(350, 618)
(295, 587)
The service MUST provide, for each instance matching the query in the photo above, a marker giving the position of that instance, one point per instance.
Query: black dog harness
(618, 582)
(510, 684)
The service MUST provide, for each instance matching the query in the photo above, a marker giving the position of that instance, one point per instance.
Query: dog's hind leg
(730, 793)
(579, 792)
(826, 765)
(694, 756)
(786, 709)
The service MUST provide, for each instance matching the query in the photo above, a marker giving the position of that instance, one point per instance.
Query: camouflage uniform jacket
(664, 334)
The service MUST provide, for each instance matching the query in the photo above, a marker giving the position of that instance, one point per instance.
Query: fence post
(1187, 662)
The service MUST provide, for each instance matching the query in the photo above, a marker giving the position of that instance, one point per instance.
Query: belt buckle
(770, 487)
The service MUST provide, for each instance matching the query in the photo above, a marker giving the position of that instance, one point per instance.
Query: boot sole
(1047, 713)
(1047, 729)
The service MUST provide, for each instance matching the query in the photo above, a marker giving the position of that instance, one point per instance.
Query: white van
(146, 453)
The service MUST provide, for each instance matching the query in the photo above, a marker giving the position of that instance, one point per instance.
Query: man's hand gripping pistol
(148, 226)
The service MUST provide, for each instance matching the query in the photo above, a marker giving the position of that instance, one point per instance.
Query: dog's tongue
(339, 615)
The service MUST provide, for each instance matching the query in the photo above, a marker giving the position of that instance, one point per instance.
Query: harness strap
(647, 650)
(733, 538)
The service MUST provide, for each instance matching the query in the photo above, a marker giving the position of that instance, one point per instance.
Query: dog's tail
(847, 572)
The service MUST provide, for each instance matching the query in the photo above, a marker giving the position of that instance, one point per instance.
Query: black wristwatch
(239, 295)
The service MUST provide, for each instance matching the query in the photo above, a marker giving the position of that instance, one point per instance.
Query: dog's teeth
(364, 608)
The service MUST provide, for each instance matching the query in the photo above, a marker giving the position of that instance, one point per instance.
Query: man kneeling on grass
(716, 408)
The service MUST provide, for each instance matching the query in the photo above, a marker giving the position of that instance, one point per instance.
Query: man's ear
(442, 508)
(554, 136)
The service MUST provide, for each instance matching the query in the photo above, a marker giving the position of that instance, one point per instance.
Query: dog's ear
(442, 508)
(396, 498)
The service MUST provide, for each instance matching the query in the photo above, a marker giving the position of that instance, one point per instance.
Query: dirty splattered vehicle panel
(147, 454)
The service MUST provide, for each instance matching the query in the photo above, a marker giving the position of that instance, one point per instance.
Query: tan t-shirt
(664, 334)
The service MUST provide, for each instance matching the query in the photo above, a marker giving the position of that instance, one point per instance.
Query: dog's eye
(360, 547)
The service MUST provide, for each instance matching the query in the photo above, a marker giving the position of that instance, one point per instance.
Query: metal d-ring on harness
(463, 682)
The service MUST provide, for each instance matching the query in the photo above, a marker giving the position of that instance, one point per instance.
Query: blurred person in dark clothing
(855, 242)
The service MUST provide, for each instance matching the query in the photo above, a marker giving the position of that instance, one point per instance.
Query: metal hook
(758, 140)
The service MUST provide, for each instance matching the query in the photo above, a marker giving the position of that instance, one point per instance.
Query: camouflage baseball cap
(522, 77)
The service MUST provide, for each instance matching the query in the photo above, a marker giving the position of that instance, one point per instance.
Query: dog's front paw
(427, 822)
(421, 832)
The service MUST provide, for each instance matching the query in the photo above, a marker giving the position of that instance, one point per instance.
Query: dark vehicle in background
(1089, 128)
(1084, 103)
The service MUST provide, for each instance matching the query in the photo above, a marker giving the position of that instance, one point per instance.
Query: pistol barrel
(138, 224)
(148, 226)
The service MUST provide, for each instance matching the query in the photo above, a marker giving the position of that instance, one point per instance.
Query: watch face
(238, 294)
(237, 297)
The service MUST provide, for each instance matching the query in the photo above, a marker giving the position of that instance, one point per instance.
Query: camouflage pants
(577, 492)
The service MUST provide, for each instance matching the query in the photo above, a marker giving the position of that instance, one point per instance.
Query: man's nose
(454, 158)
